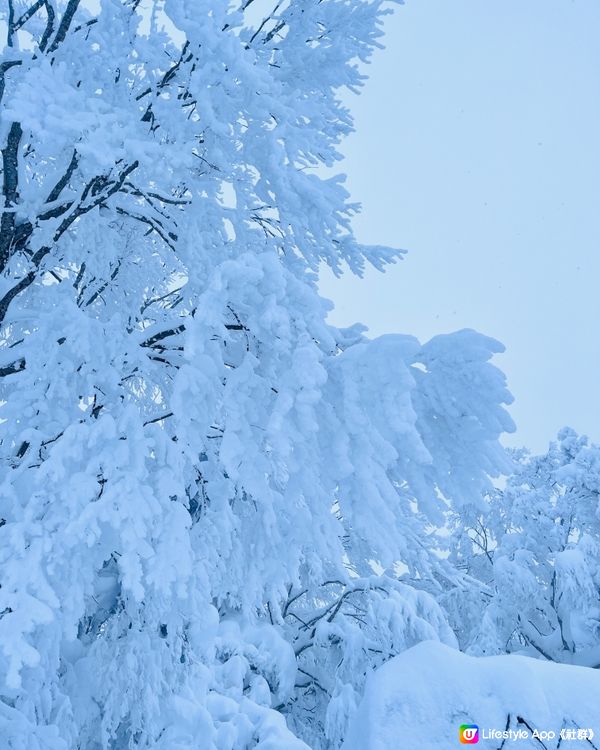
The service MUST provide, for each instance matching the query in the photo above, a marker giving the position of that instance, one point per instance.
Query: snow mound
(421, 697)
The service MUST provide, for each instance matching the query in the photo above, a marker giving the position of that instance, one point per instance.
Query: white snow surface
(420, 698)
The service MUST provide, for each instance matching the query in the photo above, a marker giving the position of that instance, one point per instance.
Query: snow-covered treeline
(535, 556)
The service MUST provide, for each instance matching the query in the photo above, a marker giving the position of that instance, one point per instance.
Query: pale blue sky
(477, 150)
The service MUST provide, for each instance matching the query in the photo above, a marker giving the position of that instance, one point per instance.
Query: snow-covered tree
(202, 481)
(536, 552)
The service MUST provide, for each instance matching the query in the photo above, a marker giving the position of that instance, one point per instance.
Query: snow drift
(421, 697)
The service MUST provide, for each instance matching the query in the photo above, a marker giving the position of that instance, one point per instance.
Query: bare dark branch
(13, 367)
(158, 419)
(62, 183)
(163, 335)
(64, 25)
(10, 191)
(10, 21)
(31, 11)
(49, 25)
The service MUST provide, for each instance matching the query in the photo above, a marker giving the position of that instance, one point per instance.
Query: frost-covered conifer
(201, 480)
